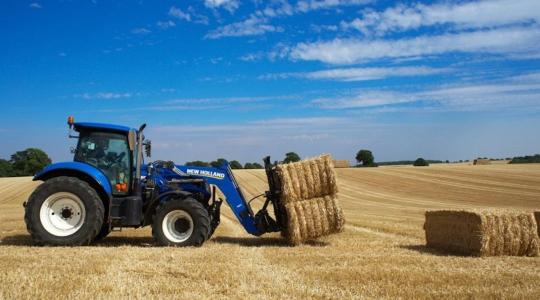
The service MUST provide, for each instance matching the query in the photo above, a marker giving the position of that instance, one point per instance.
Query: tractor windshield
(108, 152)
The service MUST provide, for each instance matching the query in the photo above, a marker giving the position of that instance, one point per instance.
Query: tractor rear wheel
(182, 222)
(103, 232)
(64, 211)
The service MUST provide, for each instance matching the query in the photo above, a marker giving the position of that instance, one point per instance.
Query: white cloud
(257, 23)
(252, 56)
(35, 5)
(360, 74)
(364, 99)
(252, 26)
(104, 95)
(514, 93)
(477, 14)
(308, 5)
(141, 30)
(515, 40)
(230, 5)
(179, 14)
(165, 24)
(286, 122)
(277, 8)
(190, 15)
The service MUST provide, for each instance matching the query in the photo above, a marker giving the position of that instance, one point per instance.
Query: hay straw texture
(341, 163)
(309, 196)
(537, 217)
(483, 233)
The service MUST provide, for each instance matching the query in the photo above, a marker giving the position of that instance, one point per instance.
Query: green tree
(29, 162)
(235, 164)
(253, 166)
(218, 163)
(197, 163)
(291, 157)
(365, 157)
(420, 162)
(5, 168)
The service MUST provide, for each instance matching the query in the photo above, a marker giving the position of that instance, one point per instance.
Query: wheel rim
(177, 226)
(62, 214)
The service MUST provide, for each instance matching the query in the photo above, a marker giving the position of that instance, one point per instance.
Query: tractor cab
(108, 148)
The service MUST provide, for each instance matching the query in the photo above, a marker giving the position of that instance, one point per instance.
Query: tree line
(365, 158)
(526, 159)
(24, 163)
(289, 157)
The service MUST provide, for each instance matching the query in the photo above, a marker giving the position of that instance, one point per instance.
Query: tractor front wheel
(181, 222)
(64, 211)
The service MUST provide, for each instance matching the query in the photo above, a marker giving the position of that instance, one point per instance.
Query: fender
(155, 201)
(77, 169)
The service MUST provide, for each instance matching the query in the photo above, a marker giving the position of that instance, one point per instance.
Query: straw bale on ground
(483, 233)
(341, 163)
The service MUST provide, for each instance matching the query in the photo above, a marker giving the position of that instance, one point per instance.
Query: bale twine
(483, 233)
(309, 196)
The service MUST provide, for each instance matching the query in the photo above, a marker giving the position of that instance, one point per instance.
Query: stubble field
(380, 254)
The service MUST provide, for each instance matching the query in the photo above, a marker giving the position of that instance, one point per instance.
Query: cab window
(108, 152)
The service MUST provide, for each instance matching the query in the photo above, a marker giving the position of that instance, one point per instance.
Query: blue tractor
(108, 186)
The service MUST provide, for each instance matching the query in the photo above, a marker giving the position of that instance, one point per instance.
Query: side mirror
(148, 148)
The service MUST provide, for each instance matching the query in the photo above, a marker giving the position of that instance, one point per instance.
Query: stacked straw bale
(309, 196)
(341, 163)
(483, 233)
(482, 162)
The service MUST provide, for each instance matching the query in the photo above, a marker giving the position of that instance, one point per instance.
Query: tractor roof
(101, 126)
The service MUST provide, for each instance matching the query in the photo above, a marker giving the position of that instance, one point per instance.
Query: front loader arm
(223, 178)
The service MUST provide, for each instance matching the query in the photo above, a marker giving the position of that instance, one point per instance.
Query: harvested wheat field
(381, 253)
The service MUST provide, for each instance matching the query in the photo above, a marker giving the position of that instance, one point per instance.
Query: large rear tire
(183, 222)
(64, 211)
(103, 232)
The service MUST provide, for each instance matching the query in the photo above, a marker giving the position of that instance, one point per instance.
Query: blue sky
(243, 79)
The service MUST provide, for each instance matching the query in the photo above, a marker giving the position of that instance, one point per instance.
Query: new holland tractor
(108, 186)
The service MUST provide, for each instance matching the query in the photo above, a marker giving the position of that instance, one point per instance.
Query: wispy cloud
(179, 14)
(190, 15)
(462, 15)
(514, 93)
(35, 5)
(252, 56)
(254, 25)
(229, 5)
(141, 30)
(309, 5)
(103, 95)
(365, 99)
(258, 22)
(360, 74)
(164, 25)
(514, 40)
